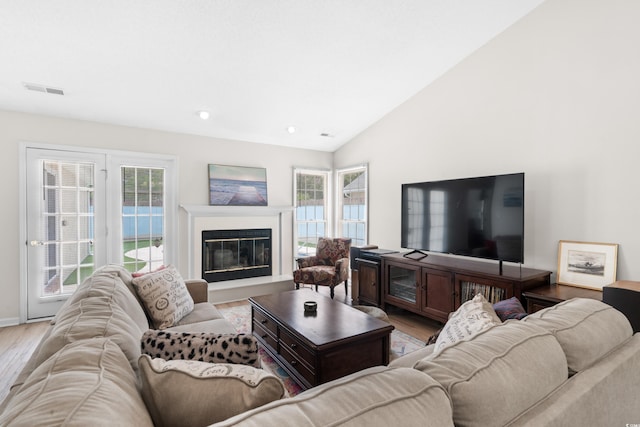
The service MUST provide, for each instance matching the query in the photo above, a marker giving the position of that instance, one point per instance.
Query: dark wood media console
(435, 286)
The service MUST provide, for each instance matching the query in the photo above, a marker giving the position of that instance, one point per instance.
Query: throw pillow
(510, 309)
(165, 296)
(470, 318)
(192, 393)
(142, 273)
(204, 347)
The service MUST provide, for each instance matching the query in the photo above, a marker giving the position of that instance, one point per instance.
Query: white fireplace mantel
(203, 211)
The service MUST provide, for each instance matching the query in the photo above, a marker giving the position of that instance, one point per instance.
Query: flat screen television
(478, 217)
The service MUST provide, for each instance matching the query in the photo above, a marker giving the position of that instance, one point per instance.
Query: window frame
(328, 213)
(339, 213)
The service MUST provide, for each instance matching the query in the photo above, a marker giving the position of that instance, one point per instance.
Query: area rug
(240, 317)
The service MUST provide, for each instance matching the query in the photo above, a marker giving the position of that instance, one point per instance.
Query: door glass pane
(67, 222)
(143, 194)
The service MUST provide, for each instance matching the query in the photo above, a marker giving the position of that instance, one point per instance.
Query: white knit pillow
(165, 296)
(470, 318)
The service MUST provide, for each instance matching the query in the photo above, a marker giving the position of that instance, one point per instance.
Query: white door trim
(172, 204)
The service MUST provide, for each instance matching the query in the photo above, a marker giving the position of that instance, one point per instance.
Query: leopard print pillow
(204, 347)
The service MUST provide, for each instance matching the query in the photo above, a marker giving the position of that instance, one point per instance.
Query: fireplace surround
(236, 254)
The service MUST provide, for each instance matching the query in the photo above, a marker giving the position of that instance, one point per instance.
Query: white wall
(193, 152)
(556, 96)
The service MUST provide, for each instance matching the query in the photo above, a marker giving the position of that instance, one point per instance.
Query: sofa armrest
(199, 290)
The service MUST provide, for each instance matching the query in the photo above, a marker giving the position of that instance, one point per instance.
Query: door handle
(36, 243)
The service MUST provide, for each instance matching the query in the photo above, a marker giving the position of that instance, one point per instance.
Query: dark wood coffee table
(315, 348)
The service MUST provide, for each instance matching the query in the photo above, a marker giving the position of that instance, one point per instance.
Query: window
(311, 209)
(352, 195)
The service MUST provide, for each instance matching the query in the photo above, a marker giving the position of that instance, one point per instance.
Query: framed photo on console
(587, 265)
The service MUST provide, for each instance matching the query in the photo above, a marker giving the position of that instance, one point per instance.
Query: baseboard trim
(9, 321)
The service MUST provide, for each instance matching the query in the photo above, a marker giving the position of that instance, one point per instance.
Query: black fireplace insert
(236, 254)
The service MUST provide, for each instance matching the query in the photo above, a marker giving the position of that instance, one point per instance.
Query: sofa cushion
(470, 318)
(510, 308)
(498, 373)
(111, 281)
(204, 347)
(87, 383)
(220, 326)
(93, 317)
(165, 296)
(378, 396)
(586, 329)
(201, 312)
(191, 393)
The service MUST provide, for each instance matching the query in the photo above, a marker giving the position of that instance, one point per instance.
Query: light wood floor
(16, 345)
(18, 342)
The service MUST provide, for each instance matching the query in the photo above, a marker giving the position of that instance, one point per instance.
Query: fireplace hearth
(236, 254)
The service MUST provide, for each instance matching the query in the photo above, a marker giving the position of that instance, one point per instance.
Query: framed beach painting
(237, 186)
(587, 265)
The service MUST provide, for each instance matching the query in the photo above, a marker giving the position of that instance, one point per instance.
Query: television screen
(479, 217)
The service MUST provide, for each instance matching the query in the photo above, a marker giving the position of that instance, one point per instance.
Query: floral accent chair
(328, 267)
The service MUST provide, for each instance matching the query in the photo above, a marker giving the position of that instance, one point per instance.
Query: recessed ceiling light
(291, 129)
(204, 115)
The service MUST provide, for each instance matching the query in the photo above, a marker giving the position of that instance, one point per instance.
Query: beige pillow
(192, 393)
(470, 318)
(165, 296)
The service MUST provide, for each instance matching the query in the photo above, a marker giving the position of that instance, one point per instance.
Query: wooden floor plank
(17, 343)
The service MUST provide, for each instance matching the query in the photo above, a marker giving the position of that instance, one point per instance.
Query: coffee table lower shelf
(310, 354)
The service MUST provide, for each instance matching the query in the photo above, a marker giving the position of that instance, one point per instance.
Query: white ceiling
(259, 66)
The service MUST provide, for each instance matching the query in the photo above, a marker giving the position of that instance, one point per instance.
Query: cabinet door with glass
(402, 285)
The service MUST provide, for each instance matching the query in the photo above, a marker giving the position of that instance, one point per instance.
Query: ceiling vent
(43, 88)
(326, 135)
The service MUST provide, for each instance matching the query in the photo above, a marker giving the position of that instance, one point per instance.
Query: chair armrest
(307, 261)
(198, 289)
(342, 268)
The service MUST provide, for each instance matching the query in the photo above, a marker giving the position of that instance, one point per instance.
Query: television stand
(415, 255)
(437, 285)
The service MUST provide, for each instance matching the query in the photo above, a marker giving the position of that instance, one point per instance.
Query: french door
(65, 210)
(86, 209)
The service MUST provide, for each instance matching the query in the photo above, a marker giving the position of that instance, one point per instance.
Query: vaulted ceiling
(330, 69)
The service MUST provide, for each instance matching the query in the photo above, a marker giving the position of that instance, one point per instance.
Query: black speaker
(354, 253)
(625, 300)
